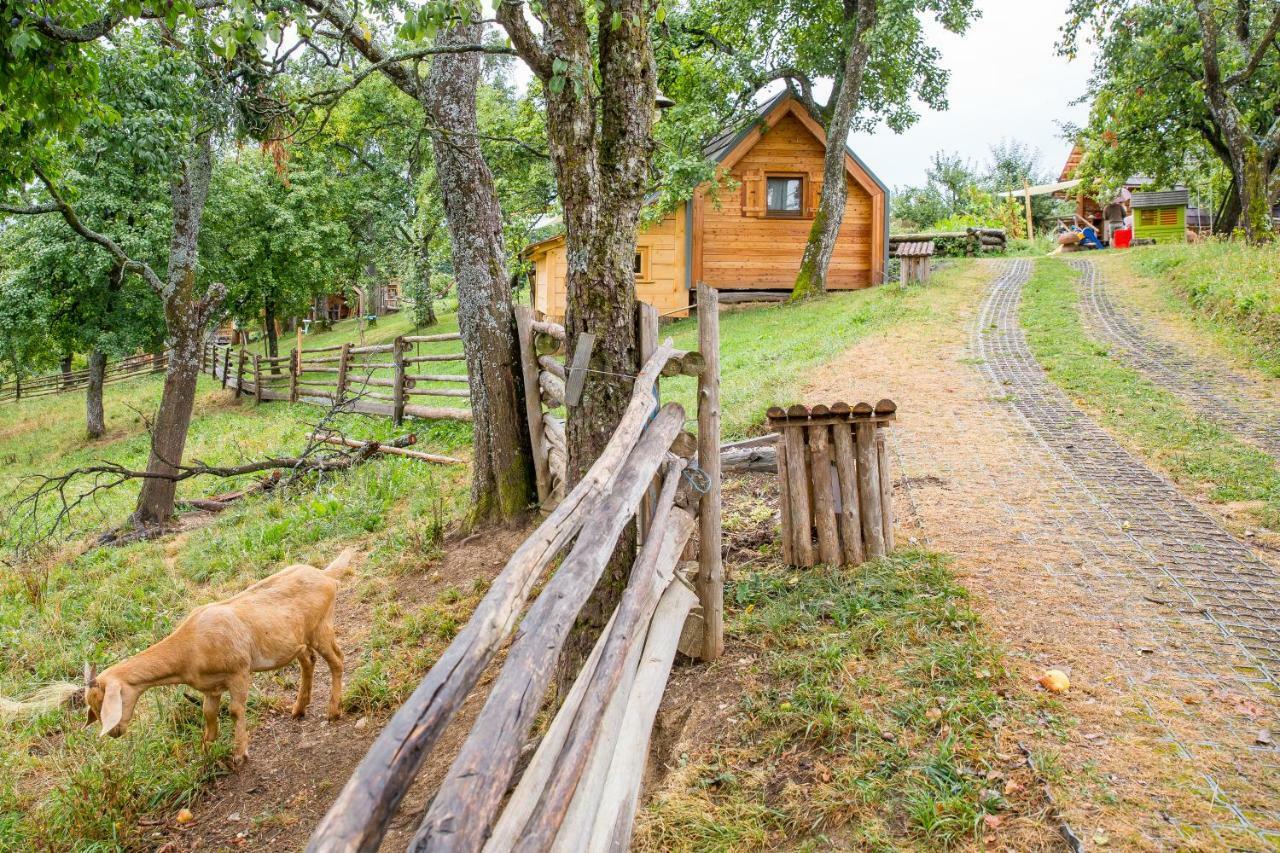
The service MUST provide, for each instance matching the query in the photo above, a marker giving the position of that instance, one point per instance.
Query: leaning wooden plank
(652, 570)
(463, 810)
(621, 790)
(532, 402)
(358, 818)
(388, 448)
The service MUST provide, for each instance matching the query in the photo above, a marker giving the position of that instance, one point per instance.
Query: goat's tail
(45, 699)
(341, 564)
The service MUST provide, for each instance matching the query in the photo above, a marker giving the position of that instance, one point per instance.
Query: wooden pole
(226, 365)
(886, 487)
(710, 536)
(240, 372)
(532, 400)
(824, 504)
(647, 342)
(397, 390)
(1026, 197)
(784, 503)
(869, 490)
(798, 492)
(344, 359)
(257, 378)
(295, 368)
(847, 473)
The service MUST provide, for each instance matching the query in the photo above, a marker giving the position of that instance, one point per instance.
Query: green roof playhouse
(1160, 216)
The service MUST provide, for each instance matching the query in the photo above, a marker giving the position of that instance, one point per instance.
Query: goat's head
(108, 700)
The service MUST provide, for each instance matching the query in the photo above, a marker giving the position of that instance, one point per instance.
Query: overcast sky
(1007, 82)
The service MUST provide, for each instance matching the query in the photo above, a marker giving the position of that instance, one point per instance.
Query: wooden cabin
(751, 235)
(1160, 216)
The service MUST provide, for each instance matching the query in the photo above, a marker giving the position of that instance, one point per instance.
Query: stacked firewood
(956, 244)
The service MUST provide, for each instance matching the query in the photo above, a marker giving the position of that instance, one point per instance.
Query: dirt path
(1229, 399)
(1083, 559)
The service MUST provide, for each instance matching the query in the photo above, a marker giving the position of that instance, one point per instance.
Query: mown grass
(1190, 449)
(767, 353)
(1232, 288)
(873, 725)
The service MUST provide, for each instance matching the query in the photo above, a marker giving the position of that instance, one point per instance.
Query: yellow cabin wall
(763, 252)
(663, 285)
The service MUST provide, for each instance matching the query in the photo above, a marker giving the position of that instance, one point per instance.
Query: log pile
(970, 242)
(580, 789)
(835, 482)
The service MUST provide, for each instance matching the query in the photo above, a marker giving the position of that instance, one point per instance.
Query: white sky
(1007, 82)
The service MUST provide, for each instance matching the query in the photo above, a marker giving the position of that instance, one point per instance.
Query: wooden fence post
(240, 372)
(532, 399)
(710, 540)
(226, 365)
(344, 356)
(257, 378)
(295, 368)
(397, 389)
(647, 341)
(886, 488)
(824, 505)
(869, 489)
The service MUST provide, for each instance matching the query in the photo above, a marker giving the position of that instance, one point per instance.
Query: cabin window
(1168, 216)
(641, 264)
(1147, 216)
(784, 196)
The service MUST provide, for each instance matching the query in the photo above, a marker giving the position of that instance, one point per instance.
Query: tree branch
(1259, 50)
(46, 26)
(328, 96)
(510, 14)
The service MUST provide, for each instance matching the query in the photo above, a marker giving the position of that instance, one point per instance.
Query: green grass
(1190, 449)
(1232, 288)
(873, 725)
(767, 353)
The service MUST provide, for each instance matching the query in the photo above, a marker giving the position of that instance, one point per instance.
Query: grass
(871, 728)
(766, 353)
(1232, 289)
(1191, 450)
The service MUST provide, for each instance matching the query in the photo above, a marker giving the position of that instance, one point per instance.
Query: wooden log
(886, 488)
(532, 402)
(388, 448)
(654, 568)
(553, 429)
(548, 345)
(432, 413)
(430, 339)
(798, 495)
(358, 818)
(372, 348)
(544, 327)
(847, 478)
(615, 814)
(553, 365)
(436, 377)
(448, 356)
(784, 507)
(344, 359)
(871, 518)
(710, 583)
(467, 802)
(824, 505)
(741, 460)
(438, 392)
(552, 388)
(295, 365)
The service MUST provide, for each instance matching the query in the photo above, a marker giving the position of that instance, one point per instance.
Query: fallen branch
(377, 447)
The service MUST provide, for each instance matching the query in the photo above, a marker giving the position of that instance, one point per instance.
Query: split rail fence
(78, 380)
(379, 379)
(580, 788)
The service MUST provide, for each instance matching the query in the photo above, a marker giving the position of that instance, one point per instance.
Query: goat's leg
(306, 660)
(211, 702)
(239, 691)
(327, 646)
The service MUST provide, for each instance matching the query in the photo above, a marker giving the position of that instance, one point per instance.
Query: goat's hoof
(299, 713)
(239, 761)
(334, 716)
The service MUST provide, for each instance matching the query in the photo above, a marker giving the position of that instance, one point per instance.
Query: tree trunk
(273, 339)
(95, 419)
(502, 471)
(1228, 215)
(185, 316)
(811, 279)
(424, 304)
(1255, 207)
(65, 366)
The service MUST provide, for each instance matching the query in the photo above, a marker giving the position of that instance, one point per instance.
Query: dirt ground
(1165, 750)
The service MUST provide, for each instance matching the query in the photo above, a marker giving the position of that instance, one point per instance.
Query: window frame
(800, 213)
(645, 271)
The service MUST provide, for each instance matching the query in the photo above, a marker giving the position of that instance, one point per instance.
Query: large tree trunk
(811, 279)
(1228, 215)
(501, 480)
(424, 303)
(95, 419)
(185, 316)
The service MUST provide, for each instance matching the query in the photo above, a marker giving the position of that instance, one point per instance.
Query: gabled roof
(1170, 198)
(725, 148)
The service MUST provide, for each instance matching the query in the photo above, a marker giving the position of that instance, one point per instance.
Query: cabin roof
(1170, 198)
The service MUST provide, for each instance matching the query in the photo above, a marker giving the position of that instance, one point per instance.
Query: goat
(218, 647)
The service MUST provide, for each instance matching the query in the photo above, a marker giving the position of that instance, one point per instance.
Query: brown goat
(218, 647)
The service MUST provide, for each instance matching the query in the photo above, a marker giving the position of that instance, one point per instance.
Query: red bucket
(1121, 238)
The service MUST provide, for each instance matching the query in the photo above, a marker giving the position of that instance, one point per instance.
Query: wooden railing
(78, 380)
(580, 789)
(378, 379)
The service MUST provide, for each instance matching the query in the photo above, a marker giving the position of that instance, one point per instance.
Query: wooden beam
(532, 403)
(710, 536)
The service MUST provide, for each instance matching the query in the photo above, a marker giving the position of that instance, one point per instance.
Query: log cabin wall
(741, 245)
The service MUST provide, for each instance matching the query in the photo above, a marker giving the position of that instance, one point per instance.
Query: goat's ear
(112, 706)
(90, 673)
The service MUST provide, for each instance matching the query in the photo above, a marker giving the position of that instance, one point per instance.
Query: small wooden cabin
(1160, 216)
(752, 235)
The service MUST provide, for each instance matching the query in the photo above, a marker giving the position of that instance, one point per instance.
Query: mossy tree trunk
(94, 416)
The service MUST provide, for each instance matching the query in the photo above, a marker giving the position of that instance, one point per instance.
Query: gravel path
(1220, 577)
(1220, 395)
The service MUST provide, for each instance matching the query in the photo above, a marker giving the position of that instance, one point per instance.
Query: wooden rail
(77, 380)
(345, 374)
(580, 788)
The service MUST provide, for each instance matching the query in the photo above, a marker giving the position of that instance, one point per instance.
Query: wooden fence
(580, 788)
(378, 379)
(78, 380)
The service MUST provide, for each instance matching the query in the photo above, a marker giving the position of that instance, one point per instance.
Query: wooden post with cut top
(257, 378)
(240, 371)
(397, 388)
(344, 357)
(710, 537)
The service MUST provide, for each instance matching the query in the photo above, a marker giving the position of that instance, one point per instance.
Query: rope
(698, 479)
